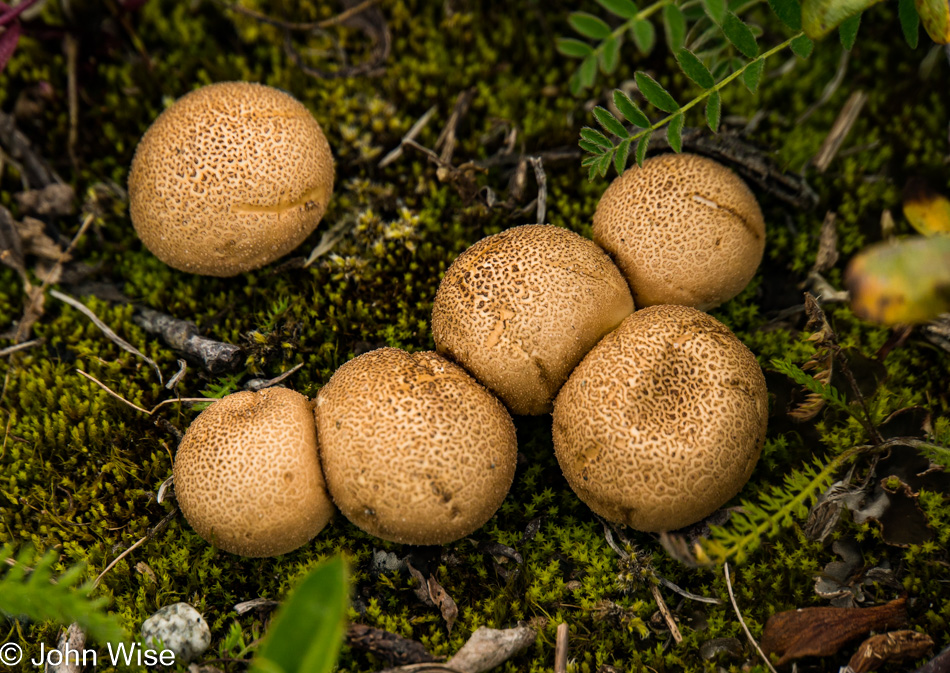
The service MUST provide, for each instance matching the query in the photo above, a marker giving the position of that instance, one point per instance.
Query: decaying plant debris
(449, 122)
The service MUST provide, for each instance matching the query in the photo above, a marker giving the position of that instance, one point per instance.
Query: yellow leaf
(927, 210)
(903, 282)
(935, 15)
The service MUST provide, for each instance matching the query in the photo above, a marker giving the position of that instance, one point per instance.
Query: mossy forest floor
(80, 469)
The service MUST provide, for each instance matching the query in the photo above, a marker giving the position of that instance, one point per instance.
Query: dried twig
(254, 603)
(167, 484)
(829, 89)
(9, 350)
(447, 139)
(105, 329)
(329, 239)
(539, 175)
(179, 375)
(748, 634)
(561, 649)
(839, 130)
(155, 530)
(135, 406)
(667, 615)
(370, 22)
(302, 27)
(36, 172)
(71, 47)
(686, 594)
(259, 384)
(412, 134)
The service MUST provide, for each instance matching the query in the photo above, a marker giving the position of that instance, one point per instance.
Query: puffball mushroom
(413, 448)
(521, 308)
(229, 178)
(663, 421)
(684, 229)
(247, 474)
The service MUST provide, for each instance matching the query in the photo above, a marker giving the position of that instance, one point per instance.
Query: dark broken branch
(751, 162)
(36, 172)
(215, 356)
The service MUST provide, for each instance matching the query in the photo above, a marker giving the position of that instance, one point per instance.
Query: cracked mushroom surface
(521, 308)
(247, 474)
(413, 448)
(229, 178)
(684, 230)
(663, 421)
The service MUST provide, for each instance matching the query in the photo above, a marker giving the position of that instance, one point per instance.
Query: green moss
(79, 470)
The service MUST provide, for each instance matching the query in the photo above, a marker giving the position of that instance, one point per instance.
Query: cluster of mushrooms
(659, 414)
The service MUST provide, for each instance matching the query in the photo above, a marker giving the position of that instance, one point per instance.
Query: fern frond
(41, 597)
(777, 509)
(825, 391)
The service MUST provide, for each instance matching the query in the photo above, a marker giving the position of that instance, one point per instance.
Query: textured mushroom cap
(247, 474)
(521, 308)
(229, 178)
(663, 421)
(413, 448)
(683, 229)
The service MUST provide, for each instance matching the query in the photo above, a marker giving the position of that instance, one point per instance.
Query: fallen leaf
(935, 15)
(821, 632)
(431, 593)
(54, 199)
(927, 210)
(447, 606)
(396, 649)
(892, 647)
(820, 17)
(904, 282)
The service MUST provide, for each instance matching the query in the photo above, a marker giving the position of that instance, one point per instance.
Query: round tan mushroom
(521, 308)
(663, 421)
(414, 450)
(229, 178)
(683, 229)
(247, 474)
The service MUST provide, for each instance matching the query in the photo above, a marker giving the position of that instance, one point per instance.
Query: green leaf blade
(610, 123)
(629, 110)
(752, 75)
(596, 137)
(802, 46)
(848, 30)
(589, 25)
(610, 55)
(307, 633)
(695, 69)
(674, 25)
(715, 10)
(910, 22)
(620, 158)
(789, 12)
(674, 133)
(740, 35)
(655, 93)
(588, 71)
(642, 147)
(644, 35)
(625, 9)
(572, 48)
